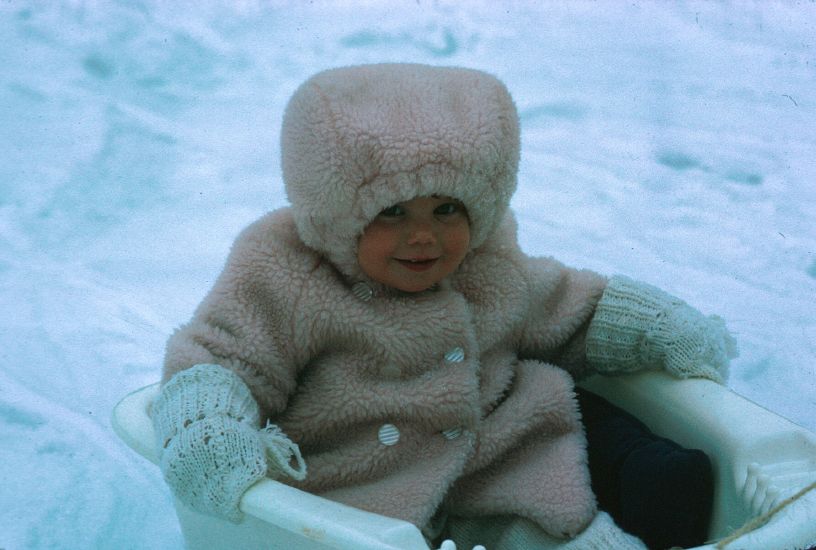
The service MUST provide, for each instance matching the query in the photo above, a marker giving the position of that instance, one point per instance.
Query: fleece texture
(471, 379)
(356, 140)
(514, 533)
(331, 369)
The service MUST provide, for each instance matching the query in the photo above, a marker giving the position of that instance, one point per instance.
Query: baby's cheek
(460, 240)
(373, 245)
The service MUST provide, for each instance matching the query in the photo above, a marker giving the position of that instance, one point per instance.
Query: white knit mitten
(638, 326)
(604, 534)
(206, 425)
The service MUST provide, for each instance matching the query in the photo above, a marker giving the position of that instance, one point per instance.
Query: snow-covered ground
(672, 142)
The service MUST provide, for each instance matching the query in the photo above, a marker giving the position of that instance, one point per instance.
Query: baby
(388, 323)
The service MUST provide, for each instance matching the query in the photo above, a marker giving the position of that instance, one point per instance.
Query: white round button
(456, 355)
(362, 291)
(388, 434)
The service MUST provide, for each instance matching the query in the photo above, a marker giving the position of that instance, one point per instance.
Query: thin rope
(759, 521)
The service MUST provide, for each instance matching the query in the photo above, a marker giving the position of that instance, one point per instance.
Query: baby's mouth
(418, 264)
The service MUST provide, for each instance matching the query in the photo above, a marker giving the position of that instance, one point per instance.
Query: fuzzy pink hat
(357, 140)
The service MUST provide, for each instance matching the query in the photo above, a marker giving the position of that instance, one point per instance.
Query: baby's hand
(211, 450)
(694, 345)
(212, 463)
(637, 326)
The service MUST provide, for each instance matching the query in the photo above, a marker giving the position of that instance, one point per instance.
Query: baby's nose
(421, 235)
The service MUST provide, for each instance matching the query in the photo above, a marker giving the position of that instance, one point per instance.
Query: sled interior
(759, 458)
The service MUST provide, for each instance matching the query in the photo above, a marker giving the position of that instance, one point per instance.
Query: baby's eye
(447, 209)
(393, 211)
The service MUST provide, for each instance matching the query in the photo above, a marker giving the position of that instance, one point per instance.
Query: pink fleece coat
(331, 368)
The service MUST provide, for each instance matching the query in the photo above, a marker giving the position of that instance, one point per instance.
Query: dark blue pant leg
(651, 486)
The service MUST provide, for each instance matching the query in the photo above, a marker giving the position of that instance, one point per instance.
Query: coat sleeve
(245, 323)
(561, 304)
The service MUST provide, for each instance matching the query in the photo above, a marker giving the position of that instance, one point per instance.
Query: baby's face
(413, 245)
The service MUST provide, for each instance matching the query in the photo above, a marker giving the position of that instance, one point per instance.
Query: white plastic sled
(764, 466)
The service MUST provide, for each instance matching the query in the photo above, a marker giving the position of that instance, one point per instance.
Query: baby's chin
(412, 286)
(417, 282)
(418, 289)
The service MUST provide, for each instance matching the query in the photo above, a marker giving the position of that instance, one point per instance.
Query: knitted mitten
(603, 534)
(639, 326)
(206, 425)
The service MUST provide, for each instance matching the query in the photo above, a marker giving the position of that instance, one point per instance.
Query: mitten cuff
(198, 392)
(617, 336)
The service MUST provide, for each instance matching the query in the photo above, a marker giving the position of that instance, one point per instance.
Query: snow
(673, 142)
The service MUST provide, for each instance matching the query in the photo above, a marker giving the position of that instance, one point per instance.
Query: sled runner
(764, 466)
